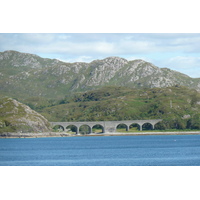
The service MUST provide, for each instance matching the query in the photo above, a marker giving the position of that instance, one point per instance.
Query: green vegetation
(178, 106)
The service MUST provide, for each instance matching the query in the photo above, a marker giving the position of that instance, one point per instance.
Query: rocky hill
(17, 117)
(25, 75)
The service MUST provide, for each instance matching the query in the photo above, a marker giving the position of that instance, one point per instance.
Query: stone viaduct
(107, 126)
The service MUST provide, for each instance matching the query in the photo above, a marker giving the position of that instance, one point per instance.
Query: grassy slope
(178, 106)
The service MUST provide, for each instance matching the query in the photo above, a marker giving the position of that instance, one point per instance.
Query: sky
(177, 51)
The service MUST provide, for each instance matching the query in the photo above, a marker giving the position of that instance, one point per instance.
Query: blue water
(169, 150)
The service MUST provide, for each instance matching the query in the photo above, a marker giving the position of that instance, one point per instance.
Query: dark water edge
(143, 150)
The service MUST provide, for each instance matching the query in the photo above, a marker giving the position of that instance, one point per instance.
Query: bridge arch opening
(160, 126)
(122, 128)
(147, 126)
(85, 129)
(72, 129)
(98, 129)
(58, 128)
(134, 127)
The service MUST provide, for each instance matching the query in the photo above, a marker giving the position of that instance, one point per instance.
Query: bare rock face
(17, 117)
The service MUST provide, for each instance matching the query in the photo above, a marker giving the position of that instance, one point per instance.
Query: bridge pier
(77, 130)
(90, 129)
(127, 128)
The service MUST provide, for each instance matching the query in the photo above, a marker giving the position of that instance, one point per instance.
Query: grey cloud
(168, 50)
(104, 44)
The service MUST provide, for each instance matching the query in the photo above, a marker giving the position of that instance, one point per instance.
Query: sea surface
(159, 150)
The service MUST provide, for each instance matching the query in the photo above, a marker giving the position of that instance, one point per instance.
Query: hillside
(25, 76)
(179, 107)
(17, 117)
(109, 89)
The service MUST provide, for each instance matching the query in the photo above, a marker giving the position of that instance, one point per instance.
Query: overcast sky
(179, 52)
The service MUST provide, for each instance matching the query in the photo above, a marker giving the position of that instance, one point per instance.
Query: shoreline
(55, 134)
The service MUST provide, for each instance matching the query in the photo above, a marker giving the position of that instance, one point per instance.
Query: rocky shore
(62, 134)
(32, 135)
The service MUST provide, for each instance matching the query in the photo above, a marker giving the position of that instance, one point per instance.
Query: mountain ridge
(25, 75)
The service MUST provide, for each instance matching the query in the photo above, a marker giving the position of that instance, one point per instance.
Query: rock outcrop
(17, 117)
(25, 75)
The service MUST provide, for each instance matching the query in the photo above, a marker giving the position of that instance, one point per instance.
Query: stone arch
(135, 127)
(98, 127)
(72, 128)
(147, 126)
(159, 126)
(58, 128)
(122, 127)
(85, 129)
